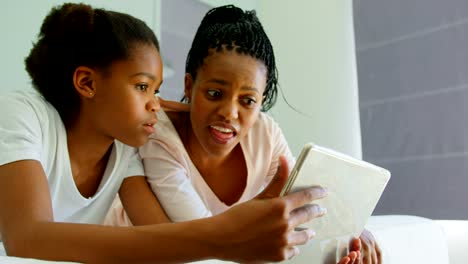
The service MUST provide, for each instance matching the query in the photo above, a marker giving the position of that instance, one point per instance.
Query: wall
(176, 38)
(314, 46)
(413, 78)
(316, 60)
(20, 21)
(177, 35)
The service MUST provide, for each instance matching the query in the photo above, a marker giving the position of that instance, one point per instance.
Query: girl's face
(225, 100)
(125, 103)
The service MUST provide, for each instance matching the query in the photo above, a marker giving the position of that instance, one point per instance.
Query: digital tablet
(354, 188)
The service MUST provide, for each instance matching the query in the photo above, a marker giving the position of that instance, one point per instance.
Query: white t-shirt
(31, 129)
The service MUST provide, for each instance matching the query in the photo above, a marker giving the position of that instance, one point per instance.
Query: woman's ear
(84, 81)
(188, 87)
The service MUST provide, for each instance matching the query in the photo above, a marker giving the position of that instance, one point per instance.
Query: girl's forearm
(168, 243)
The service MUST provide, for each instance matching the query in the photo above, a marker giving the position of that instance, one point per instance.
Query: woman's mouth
(222, 134)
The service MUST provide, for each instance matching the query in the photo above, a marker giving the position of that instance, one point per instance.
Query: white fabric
(402, 238)
(31, 129)
(456, 233)
(15, 260)
(409, 239)
(181, 189)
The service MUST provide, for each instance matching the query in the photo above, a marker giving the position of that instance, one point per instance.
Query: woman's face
(225, 99)
(125, 101)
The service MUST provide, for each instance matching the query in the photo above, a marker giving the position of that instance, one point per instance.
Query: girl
(65, 151)
(224, 151)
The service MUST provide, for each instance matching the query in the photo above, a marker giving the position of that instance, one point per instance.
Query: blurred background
(381, 80)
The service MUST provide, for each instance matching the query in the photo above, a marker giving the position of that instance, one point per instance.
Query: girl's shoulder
(26, 107)
(25, 102)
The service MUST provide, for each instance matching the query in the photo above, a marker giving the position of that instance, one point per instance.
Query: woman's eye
(214, 93)
(249, 101)
(142, 87)
(156, 92)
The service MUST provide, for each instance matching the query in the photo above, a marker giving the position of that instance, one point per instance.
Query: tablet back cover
(354, 188)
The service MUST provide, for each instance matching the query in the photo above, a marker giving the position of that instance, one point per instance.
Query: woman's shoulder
(171, 125)
(265, 123)
(167, 135)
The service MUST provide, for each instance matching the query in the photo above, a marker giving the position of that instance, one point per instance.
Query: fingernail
(296, 251)
(322, 210)
(311, 233)
(325, 190)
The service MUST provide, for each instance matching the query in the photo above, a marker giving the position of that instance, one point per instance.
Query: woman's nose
(229, 110)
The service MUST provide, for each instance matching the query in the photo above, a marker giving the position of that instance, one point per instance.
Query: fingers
(345, 260)
(173, 106)
(352, 258)
(371, 253)
(379, 253)
(297, 238)
(298, 199)
(292, 252)
(374, 257)
(277, 183)
(366, 255)
(356, 245)
(306, 213)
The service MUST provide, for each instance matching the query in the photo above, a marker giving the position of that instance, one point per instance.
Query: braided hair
(230, 28)
(74, 35)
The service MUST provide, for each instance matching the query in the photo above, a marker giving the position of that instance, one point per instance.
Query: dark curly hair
(74, 35)
(229, 27)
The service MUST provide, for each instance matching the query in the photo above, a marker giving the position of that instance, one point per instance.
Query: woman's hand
(370, 253)
(363, 250)
(354, 257)
(173, 106)
(367, 249)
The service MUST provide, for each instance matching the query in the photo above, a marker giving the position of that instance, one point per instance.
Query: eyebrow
(223, 82)
(149, 75)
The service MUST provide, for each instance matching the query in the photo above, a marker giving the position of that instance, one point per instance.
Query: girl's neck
(86, 147)
(89, 154)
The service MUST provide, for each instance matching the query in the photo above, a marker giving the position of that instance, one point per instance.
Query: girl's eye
(214, 93)
(156, 92)
(142, 87)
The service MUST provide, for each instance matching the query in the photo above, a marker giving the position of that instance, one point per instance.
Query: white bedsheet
(403, 239)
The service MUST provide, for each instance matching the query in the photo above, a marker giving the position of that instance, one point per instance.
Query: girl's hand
(263, 229)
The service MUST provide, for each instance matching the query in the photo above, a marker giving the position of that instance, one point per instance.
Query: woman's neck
(201, 158)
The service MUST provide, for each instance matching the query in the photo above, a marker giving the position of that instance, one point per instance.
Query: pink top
(182, 191)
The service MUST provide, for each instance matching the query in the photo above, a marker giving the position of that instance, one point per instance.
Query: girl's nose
(153, 104)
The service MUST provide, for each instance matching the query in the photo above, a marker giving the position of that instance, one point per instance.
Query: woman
(224, 151)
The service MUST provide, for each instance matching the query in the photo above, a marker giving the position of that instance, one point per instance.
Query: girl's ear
(188, 87)
(84, 81)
